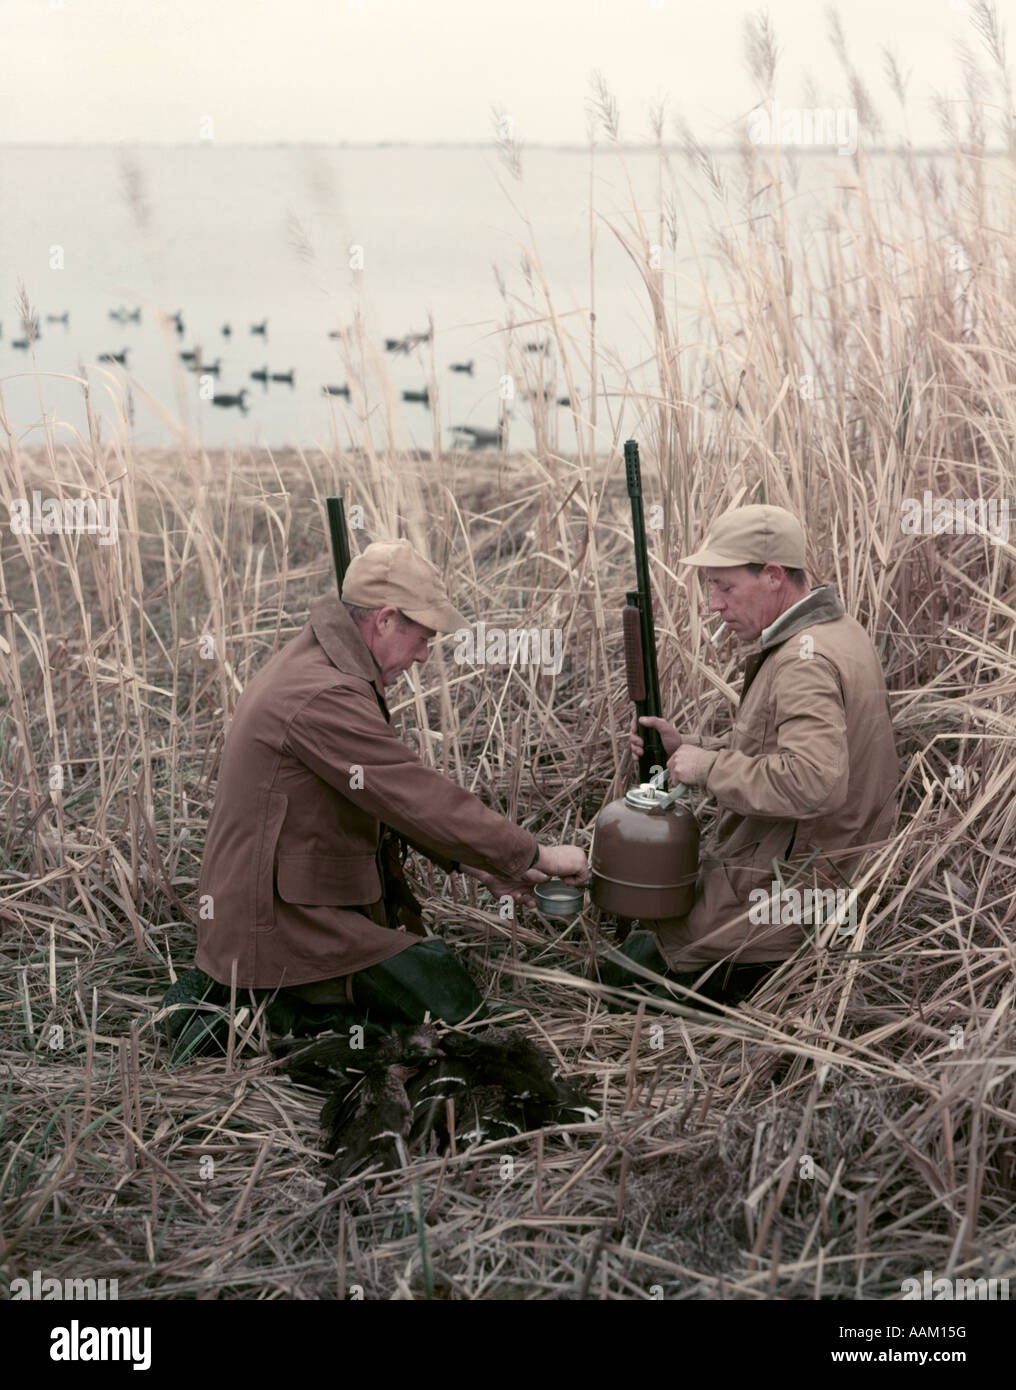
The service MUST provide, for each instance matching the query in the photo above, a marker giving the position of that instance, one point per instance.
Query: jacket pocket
(750, 730)
(271, 812)
(320, 880)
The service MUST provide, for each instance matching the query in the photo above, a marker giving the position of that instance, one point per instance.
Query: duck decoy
(134, 316)
(481, 438)
(466, 367)
(188, 356)
(535, 347)
(336, 391)
(227, 400)
(20, 343)
(208, 368)
(63, 318)
(284, 376)
(422, 396)
(176, 320)
(118, 357)
(262, 375)
(260, 328)
(338, 333)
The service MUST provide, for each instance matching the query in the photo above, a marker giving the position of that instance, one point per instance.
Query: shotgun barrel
(340, 537)
(640, 637)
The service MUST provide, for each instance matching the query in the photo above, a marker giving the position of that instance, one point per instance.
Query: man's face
(397, 642)
(747, 602)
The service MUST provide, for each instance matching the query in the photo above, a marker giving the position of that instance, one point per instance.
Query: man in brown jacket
(808, 776)
(299, 892)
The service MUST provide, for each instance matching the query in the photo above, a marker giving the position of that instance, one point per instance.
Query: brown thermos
(644, 856)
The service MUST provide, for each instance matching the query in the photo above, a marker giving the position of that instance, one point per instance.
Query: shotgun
(340, 537)
(639, 632)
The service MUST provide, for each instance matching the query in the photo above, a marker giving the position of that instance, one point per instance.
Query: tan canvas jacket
(811, 766)
(310, 771)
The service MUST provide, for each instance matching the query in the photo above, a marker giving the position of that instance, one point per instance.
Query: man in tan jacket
(808, 776)
(300, 891)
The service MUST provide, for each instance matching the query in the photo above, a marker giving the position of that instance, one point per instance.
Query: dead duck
(237, 399)
(328, 1061)
(120, 358)
(423, 397)
(336, 391)
(260, 329)
(373, 1132)
(466, 367)
(287, 377)
(500, 1084)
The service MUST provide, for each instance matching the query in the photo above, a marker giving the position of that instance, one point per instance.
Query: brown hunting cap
(392, 573)
(756, 535)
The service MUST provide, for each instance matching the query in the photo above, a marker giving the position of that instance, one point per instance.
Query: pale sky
(362, 71)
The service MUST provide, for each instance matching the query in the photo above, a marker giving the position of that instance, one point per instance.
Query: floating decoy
(336, 391)
(64, 318)
(260, 328)
(482, 438)
(119, 357)
(226, 330)
(262, 375)
(466, 367)
(284, 376)
(406, 344)
(237, 399)
(422, 396)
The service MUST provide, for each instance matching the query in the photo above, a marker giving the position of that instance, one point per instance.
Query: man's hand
(560, 861)
(685, 764)
(518, 889)
(669, 736)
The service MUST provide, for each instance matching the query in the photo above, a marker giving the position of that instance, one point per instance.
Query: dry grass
(826, 1140)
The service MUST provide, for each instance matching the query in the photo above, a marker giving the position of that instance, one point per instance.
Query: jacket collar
(342, 643)
(821, 606)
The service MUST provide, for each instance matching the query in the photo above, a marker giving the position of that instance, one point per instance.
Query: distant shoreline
(602, 147)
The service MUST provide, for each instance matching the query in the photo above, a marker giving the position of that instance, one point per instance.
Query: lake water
(238, 235)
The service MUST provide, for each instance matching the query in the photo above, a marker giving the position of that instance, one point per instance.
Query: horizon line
(567, 147)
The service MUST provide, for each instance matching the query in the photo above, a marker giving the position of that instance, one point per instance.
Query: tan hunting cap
(392, 573)
(756, 535)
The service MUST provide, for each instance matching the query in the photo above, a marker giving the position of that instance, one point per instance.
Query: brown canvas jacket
(811, 766)
(310, 771)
